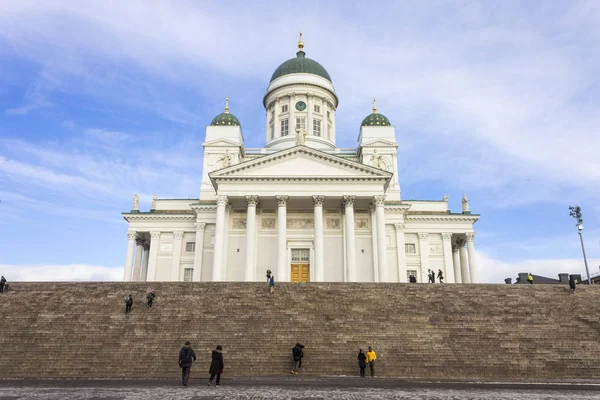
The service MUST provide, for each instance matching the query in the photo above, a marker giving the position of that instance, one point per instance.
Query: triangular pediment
(380, 143)
(221, 143)
(300, 162)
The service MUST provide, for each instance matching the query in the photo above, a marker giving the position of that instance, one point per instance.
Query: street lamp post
(576, 213)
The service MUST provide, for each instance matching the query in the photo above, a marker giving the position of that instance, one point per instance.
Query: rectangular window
(317, 108)
(284, 108)
(317, 127)
(329, 131)
(328, 115)
(284, 127)
(188, 274)
(190, 246)
(410, 273)
(301, 123)
(272, 130)
(300, 255)
(409, 248)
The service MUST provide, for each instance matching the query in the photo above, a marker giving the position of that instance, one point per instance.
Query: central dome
(300, 65)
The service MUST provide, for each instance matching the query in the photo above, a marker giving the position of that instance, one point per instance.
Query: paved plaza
(298, 389)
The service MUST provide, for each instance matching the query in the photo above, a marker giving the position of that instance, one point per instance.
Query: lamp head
(580, 227)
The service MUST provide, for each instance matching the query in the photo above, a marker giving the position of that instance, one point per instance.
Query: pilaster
(199, 251)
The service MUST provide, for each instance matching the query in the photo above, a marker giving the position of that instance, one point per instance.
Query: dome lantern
(375, 119)
(225, 118)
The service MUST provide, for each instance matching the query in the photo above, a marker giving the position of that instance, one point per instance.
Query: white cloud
(60, 273)
(495, 271)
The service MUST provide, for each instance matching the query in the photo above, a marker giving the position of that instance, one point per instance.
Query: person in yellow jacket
(371, 357)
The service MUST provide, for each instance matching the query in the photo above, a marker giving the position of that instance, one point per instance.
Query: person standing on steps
(272, 284)
(128, 303)
(412, 279)
(440, 276)
(297, 354)
(2, 283)
(572, 283)
(216, 365)
(150, 298)
(186, 357)
(268, 275)
(431, 276)
(362, 362)
(371, 357)
(530, 279)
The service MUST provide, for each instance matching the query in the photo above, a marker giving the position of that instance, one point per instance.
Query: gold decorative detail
(300, 43)
(374, 106)
(226, 105)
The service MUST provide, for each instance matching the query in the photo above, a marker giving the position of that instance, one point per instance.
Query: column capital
(146, 246)
(140, 241)
(178, 235)
(221, 200)
(399, 227)
(155, 235)
(318, 200)
(252, 200)
(423, 235)
(349, 200)
(470, 236)
(460, 242)
(446, 236)
(200, 226)
(379, 200)
(131, 235)
(282, 200)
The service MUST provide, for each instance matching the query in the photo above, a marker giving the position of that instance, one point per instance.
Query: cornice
(450, 217)
(161, 217)
(299, 179)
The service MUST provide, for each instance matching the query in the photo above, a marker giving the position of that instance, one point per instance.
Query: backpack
(187, 356)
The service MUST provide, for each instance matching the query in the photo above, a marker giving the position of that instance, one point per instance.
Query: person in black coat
(2, 284)
(216, 365)
(297, 355)
(362, 362)
(128, 303)
(440, 276)
(572, 283)
(186, 357)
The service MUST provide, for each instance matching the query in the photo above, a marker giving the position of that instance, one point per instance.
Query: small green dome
(376, 119)
(226, 118)
(299, 65)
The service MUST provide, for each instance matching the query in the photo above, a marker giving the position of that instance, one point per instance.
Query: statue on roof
(154, 198)
(136, 202)
(376, 159)
(445, 198)
(465, 203)
(226, 159)
(300, 136)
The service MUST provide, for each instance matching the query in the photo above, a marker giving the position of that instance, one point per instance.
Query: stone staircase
(80, 330)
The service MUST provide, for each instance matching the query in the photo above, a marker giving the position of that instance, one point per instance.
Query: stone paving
(336, 389)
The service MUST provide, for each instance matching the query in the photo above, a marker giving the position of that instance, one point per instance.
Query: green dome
(299, 65)
(225, 118)
(376, 119)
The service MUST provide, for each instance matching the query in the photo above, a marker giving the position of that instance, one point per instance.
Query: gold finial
(226, 105)
(374, 106)
(300, 43)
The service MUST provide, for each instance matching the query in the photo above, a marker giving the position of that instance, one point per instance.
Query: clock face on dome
(300, 106)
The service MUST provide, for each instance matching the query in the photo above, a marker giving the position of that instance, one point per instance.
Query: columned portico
(456, 262)
(464, 263)
(252, 201)
(131, 236)
(350, 240)
(381, 239)
(472, 256)
(282, 260)
(219, 239)
(448, 261)
(319, 258)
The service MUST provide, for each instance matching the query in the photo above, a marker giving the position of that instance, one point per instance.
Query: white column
(250, 238)
(319, 255)
(139, 247)
(219, 239)
(448, 263)
(464, 264)
(381, 238)
(374, 242)
(350, 241)
(424, 250)
(176, 258)
(131, 235)
(472, 256)
(146, 257)
(456, 262)
(199, 251)
(282, 237)
(152, 256)
(401, 252)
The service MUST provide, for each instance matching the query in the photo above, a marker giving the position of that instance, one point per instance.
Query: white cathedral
(300, 206)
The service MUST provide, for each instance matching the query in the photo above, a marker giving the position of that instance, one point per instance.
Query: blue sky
(100, 100)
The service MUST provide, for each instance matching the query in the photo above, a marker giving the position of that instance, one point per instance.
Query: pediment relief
(380, 143)
(221, 143)
(300, 161)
